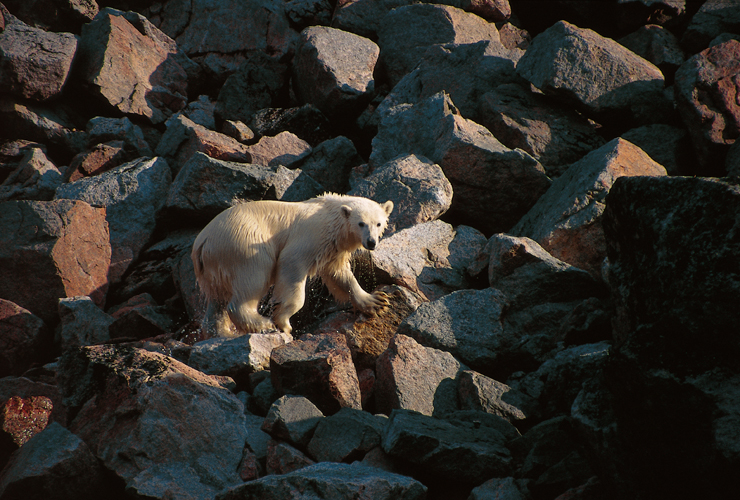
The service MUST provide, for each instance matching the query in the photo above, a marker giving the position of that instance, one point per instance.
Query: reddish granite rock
(320, 368)
(50, 250)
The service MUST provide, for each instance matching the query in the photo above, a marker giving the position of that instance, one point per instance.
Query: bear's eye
(378, 224)
(361, 224)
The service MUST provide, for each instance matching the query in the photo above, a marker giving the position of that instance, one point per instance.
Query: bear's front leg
(344, 286)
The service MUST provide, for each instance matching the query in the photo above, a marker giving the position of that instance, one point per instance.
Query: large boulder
(202, 423)
(705, 88)
(418, 188)
(53, 464)
(128, 63)
(218, 36)
(320, 368)
(36, 63)
(591, 72)
(132, 197)
(329, 481)
(486, 176)
(407, 31)
(673, 252)
(565, 221)
(429, 259)
(338, 82)
(398, 385)
(50, 250)
(22, 335)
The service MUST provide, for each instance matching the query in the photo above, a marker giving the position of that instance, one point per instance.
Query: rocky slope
(563, 260)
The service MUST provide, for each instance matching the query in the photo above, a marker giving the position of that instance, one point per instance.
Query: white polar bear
(253, 245)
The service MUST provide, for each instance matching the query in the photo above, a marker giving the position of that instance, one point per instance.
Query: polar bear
(253, 245)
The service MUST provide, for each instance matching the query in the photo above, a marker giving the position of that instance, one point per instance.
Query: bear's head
(367, 220)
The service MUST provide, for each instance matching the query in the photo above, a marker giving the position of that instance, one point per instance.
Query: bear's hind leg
(216, 322)
(289, 297)
(246, 318)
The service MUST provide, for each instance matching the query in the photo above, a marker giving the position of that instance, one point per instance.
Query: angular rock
(553, 463)
(594, 73)
(481, 393)
(466, 323)
(236, 357)
(658, 45)
(52, 15)
(666, 144)
(457, 452)
(705, 88)
(566, 220)
(330, 481)
(338, 82)
(53, 464)
(159, 272)
(139, 318)
(346, 436)
(330, 163)
(304, 13)
(237, 130)
(551, 389)
(307, 122)
(99, 159)
(126, 62)
(257, 439)
(260, 82)
(554, 134)
(36, 63)
(204, 187)
(320, 368)
(293, 419)
(82, 323)
(166, 401)
(217, 36)
(418, 188)
(713, 18)
(282, 459)
(21, 338)
(52, 249)
(466, 71)
(430, 259)
(283, 149)
(368, 337)
(132, 195)
(486, 176)
(498, 488)
(398, 384)
(202, 111)
(675, 265)
(25, 388)
(102, 129)
(23, 418)
(36, 178)
(184, 138)
(41, 123)
(407, 31)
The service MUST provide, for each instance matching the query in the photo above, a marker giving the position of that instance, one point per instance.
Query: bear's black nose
(370, 244)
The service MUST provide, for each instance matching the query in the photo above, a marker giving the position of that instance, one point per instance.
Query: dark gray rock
(52, 464)
(338, 82)
(82, 323)
(458, 452)
(330, 481)
(293, 419)
(398, 385)
(418, 188)
(591, 72)
(346, 436)
(331, 162)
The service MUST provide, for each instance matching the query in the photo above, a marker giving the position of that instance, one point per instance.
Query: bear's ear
(346, 211)
(388, 207)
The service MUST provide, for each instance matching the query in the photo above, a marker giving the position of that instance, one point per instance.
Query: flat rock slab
(330, 481)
